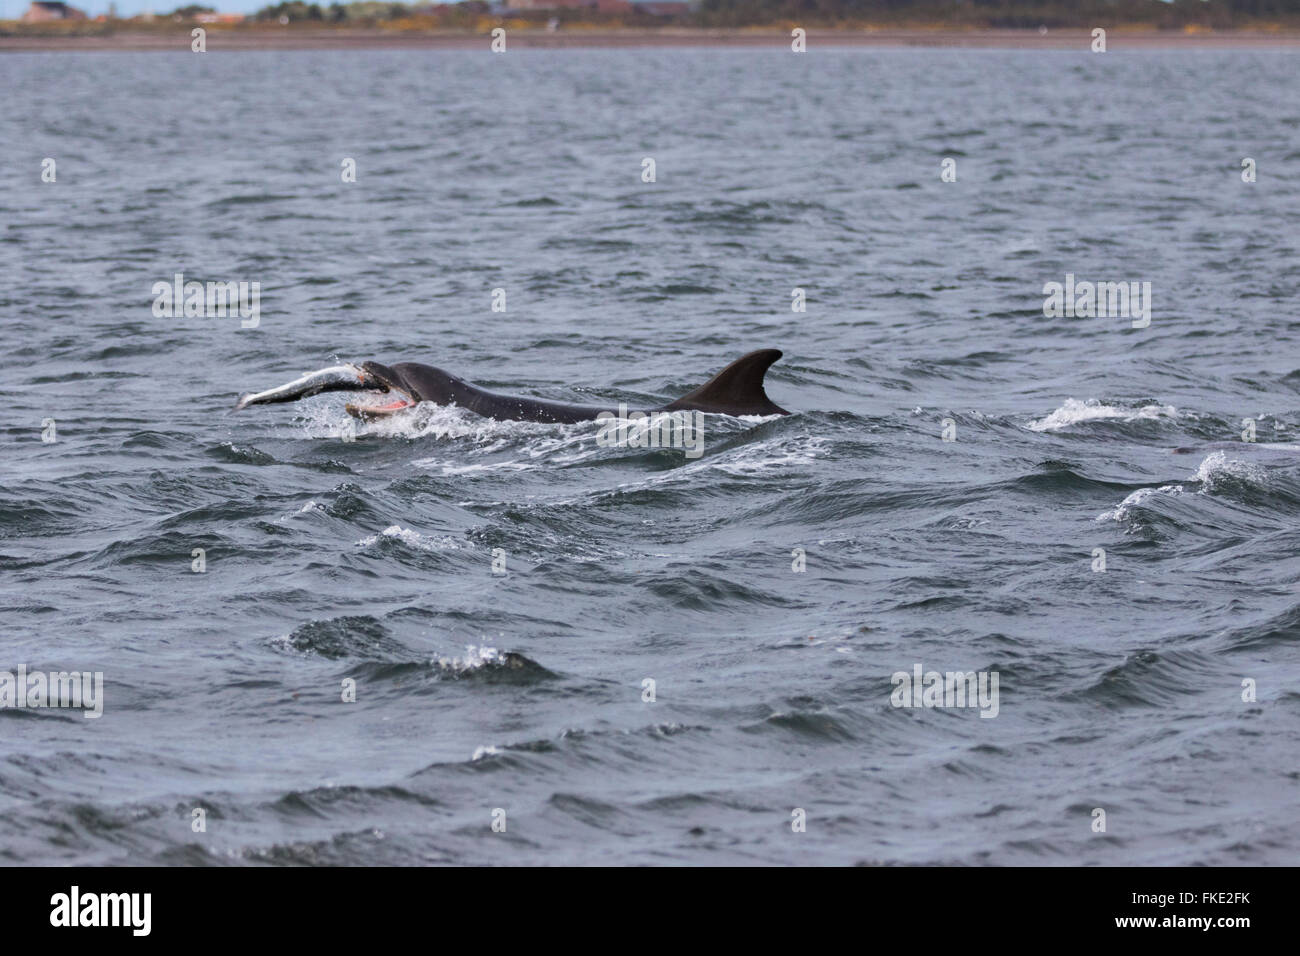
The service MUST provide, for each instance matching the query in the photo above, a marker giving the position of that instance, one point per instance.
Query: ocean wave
(1215, 473)
(490, 665)
(1124, 509)
(361, 636)
(1218, 469)
(1074, 412)
(412, 539)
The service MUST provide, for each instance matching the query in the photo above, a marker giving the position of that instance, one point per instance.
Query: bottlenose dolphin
(736, 390)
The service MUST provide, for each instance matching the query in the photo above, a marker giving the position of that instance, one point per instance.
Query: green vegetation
(369, 12)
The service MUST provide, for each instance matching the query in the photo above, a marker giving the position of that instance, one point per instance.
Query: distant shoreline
(310, 38)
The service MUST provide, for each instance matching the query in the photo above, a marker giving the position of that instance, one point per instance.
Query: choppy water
(371, 560)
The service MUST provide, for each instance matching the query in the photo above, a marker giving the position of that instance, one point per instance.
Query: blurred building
(41, 12)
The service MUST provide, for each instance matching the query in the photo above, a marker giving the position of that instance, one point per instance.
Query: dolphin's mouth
(368, 413)
(389, 382)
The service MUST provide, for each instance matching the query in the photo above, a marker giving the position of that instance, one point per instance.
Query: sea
(1017, 582)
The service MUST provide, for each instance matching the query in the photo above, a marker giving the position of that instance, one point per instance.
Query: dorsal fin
(736, 390)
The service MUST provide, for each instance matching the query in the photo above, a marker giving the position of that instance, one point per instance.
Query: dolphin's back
(443, 388)
(736, 390)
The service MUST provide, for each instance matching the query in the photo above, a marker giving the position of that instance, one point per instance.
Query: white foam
(756, 458)
(474, 659)
(1074, 411)
(1218, 466)
(412, 539)
(1124, 508)
(525, 446)
(427, 420)
(433, 464)
(327, 419)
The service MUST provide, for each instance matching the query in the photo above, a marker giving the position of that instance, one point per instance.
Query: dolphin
(736, 390)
